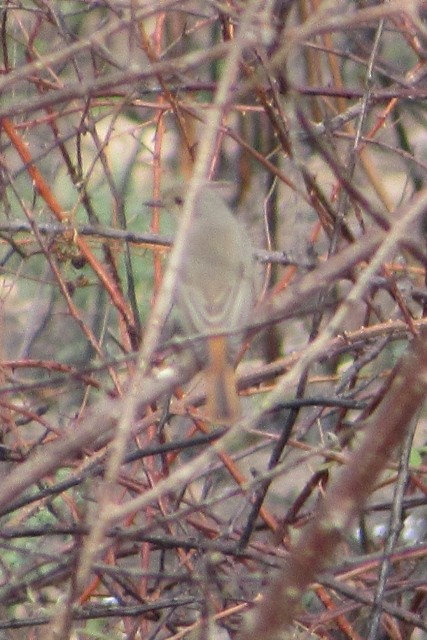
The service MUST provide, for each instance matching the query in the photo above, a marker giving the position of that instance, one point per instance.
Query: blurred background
(321, 148)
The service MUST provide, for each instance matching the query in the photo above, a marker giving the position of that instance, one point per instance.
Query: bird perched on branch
(215, 293)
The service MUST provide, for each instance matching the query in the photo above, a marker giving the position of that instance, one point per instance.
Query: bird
(214, 294)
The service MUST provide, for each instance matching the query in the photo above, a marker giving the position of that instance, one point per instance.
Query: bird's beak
(153, 203)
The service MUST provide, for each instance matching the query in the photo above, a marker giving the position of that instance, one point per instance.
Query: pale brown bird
(214, 293)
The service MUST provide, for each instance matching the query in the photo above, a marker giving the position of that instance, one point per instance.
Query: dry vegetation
(124, 513)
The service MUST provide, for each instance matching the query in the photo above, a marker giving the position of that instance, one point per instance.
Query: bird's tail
(223, 402)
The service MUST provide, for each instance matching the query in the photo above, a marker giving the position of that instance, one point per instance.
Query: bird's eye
(179, 201)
